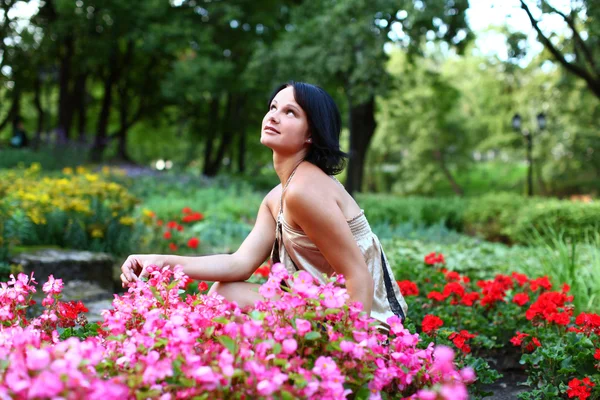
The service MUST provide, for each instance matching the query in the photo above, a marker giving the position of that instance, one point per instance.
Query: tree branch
(575, 69)
(577, 37)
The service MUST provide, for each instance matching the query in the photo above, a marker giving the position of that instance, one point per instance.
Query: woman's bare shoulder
(271, 200)
(311, 182)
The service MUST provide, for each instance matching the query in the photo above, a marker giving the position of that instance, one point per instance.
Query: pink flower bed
(302, 342)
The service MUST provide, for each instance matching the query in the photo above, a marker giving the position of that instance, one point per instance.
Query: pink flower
(37, 359)
(46, 385)
(303, 283)
(302, 326)
(53, 286)
(325, 367)
(265, 387)
(289, 346)
(468, 375)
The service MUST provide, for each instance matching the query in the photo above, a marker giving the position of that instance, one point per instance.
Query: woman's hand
(135, 267)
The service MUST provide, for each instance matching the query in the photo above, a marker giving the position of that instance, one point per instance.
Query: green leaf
(312, 335)
(228, 342)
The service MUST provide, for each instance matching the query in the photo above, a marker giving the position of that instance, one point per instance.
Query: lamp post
(528, 136)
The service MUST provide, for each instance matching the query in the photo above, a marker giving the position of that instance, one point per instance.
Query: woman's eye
(290, 111)
(272, 107)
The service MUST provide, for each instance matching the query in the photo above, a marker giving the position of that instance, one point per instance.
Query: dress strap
(285, 187)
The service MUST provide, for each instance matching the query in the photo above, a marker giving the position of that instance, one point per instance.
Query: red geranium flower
(193, 217)
(431, 323)
(172, 224)
(469, 299)
(408, 288)
(459, 339)
(452, 276)
(173, 246)
(435, 295)
(542, 282)
(433, 258)
(520, 278)
(203, 286)
(167, 235)
(263, 271)
(520, 298)
(186, 210)
(597, 354)
(193, 243)
(580, 388)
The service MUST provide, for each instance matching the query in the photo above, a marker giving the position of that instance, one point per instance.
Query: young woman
(307, 222)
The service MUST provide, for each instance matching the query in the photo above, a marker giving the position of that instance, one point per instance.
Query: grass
(567, 261)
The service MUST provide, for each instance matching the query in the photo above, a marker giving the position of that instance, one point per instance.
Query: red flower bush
(521, 299)
(460, 338)
(431, 323)
(580, 388)
(193, 243)
(433, 259)
(408, 288)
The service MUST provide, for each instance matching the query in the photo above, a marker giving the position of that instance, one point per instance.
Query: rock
(69, 265)
(95, 309)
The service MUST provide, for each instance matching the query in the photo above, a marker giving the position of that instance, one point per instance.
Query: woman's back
(296, 251)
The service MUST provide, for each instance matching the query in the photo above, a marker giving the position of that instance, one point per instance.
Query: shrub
(76, 209)
(306, 344)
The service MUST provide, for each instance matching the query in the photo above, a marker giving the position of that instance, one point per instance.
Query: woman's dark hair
(324, 122)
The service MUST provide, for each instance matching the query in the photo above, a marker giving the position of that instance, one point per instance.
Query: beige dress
(296, 251)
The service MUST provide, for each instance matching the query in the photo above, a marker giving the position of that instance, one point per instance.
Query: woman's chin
(265, 140)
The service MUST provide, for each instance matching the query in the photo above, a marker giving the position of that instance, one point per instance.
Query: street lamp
(528, 136)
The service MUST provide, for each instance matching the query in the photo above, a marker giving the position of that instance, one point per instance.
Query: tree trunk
(80, 95)
(37, 101)
(362, 128)
(122, 133)
(226, 135)
(242, 149)
(65, 102)
(114, 74)
(212, 133)
(101, 139)
(14, 110)
(439, 156)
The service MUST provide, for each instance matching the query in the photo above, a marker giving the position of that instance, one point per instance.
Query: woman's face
(285, 126)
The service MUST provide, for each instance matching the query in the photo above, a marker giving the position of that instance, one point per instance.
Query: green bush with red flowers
(510, 313)
(172, 236)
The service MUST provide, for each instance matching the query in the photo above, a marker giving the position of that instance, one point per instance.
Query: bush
(49, 158)
(575, 220)
(305, 343)
(505, 217)
(395, 210)
(74, 209)
(505, 314)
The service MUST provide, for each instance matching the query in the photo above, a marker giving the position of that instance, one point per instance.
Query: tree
(341, 46)
(579, 51)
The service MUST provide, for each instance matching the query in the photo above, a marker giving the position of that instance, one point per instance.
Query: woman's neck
(284, 166)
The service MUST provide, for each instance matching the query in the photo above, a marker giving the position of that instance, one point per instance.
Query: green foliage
(393, 210)
(49, 158)
(565, 260)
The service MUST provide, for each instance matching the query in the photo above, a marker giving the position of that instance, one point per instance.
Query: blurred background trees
(425, 110)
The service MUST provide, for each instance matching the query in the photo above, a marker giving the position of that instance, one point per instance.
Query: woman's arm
(323, 221)
(238, 266)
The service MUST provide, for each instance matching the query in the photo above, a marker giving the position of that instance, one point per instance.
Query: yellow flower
(91, 177)
(97, 233)
(148, 213)
(80, 170)
(106, 170)
(126, 221)
(67, 171)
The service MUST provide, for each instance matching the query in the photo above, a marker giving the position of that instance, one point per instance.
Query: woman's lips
(271, 129)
